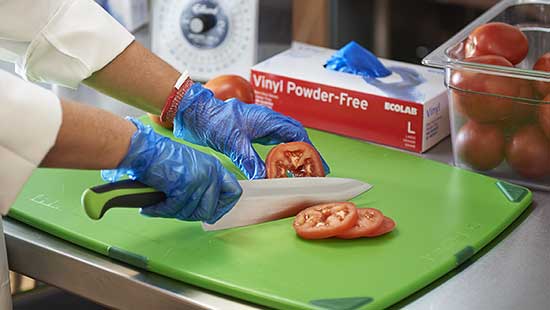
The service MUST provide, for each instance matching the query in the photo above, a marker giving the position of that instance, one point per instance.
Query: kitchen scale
(206, 37)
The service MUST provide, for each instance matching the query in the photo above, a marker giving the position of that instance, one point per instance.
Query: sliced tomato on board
(369, 221)
(387, 226)
(325, 220)
(294, 159)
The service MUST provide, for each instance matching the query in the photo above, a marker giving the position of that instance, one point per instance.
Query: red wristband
(170, 109)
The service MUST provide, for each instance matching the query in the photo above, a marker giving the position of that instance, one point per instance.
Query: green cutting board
(444, 215)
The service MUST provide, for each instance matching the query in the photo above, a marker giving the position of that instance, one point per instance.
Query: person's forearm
(89, 138)
(137, 77)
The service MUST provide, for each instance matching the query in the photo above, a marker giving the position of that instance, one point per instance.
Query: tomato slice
(370, 220)
(387, 226)
(294, 159)
(325, 220)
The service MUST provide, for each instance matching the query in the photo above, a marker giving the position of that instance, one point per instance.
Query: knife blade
(261, 200)
(271, 199)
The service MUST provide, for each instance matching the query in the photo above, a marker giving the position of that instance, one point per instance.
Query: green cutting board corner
(444, 215)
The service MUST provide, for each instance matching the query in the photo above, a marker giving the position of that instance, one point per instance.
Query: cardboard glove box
(406, 110)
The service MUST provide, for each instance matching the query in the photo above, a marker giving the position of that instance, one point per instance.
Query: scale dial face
(206, 37)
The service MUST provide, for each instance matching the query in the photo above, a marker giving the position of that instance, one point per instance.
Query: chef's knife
(261, 201)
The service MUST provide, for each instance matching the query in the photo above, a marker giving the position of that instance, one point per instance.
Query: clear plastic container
(500, 121)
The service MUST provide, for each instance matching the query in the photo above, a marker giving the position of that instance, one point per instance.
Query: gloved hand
(230, 127)
(197, 186)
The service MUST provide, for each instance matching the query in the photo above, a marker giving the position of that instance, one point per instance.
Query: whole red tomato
(231, 86)
(544, 116)
(497, 39)
(487, 107)
(481, 146)
(528, 152)
(156, 119)
(523, 111)
(543, 64)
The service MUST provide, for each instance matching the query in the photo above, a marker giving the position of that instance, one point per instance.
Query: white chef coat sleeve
(59, 41)
(30, 117)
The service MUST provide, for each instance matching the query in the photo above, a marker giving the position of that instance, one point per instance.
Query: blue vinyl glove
(355, 59)
(231, 126)
(197, 186)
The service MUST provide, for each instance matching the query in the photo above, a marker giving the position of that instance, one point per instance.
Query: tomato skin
(325, 220)
(481, 146)
(544, 116)
(528, 152)
(299, 158)
(480, 107)
(497, 39)
(231, 86)
(523, 112)
(156, 119)
(387, 226)
(369, 220)
(543, 64)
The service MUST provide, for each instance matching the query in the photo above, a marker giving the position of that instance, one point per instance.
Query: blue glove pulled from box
(355, 59)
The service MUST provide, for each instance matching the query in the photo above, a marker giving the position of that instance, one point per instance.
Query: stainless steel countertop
(62, 264)
(513, 272)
